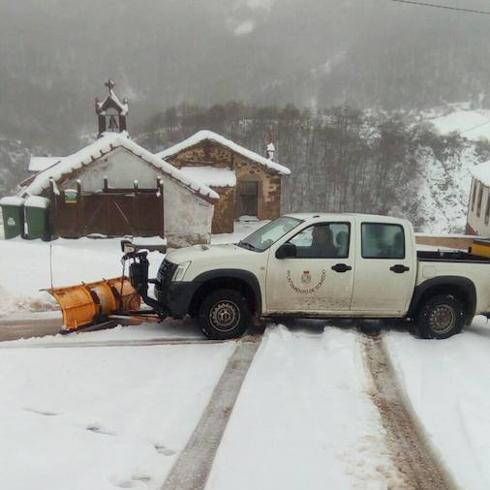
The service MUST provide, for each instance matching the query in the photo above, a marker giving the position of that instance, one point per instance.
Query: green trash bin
(13, 216)
(36, 209)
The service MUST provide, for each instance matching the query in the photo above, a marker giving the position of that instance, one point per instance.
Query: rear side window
(382, 241)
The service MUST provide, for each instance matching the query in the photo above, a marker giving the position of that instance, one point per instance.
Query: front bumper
(176, 296)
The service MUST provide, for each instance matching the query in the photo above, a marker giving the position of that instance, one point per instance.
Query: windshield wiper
(246, 245)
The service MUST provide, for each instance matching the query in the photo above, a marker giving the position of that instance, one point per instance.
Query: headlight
(180, 271)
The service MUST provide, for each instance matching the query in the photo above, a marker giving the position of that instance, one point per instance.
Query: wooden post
(79, 206)
(53, 215)
(162, 207)
(106, 184)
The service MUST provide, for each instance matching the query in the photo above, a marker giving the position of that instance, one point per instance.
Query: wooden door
(248, 198)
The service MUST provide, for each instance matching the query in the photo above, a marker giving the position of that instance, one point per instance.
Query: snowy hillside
(443, 190)
(14, 157)
(345, 160)
(472, 124)
(444, 180)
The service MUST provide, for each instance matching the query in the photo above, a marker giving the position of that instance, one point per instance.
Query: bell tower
(111, 112)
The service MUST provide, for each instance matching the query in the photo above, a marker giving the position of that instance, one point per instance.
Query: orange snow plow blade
(91, 303)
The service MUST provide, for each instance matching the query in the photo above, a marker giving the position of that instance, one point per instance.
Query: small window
(382, 241)
(71, 196)
(487, 209)
(112, 120)
(473, 195)
(323, 241)
(479, 200)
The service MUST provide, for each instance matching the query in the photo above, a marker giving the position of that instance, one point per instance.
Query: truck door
(385, 269)
(319, 278)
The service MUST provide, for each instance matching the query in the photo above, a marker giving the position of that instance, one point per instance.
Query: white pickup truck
(322, 266)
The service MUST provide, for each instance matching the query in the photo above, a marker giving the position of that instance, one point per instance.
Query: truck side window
(323, 241)
(382, 241)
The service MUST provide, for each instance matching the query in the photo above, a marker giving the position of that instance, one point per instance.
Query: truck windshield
(268, 234)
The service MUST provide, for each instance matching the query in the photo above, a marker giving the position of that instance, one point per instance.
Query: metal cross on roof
(110, 84)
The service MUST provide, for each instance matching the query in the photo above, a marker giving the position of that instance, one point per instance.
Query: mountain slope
(54, 56)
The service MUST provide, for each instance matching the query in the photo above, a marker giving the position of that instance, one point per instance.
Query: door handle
(399, 268)
(341, 268)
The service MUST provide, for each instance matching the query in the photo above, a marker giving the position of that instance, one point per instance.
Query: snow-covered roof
(96, 150)
(38, 164)
(216, 177)
(210, 135)
(482, 173)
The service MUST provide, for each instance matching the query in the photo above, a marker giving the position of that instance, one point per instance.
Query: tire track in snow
(192, 467)
(405, 439)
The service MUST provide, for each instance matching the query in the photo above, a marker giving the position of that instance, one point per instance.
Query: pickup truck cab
(324, 266)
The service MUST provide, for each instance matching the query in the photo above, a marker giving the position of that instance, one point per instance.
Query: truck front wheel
(440, 317)
(224, 314)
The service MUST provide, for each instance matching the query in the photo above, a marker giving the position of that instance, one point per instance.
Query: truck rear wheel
(440, 317)
(224, 314)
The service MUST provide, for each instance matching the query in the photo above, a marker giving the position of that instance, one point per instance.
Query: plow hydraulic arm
(138, 276)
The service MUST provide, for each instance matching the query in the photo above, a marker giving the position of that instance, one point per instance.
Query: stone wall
(224, 210)
(206, 153)
(269, 206)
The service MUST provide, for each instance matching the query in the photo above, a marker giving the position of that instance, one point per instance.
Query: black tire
(224, 314)
(440, 317)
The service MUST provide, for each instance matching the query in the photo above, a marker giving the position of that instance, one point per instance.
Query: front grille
(165, 273)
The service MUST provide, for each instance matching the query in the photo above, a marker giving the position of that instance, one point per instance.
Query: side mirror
(286, 251)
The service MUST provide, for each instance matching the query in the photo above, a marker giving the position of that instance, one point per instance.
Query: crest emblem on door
(306, 277)
(306, 286)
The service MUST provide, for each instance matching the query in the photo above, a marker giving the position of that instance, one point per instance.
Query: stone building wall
(224, 210)
(204, 154)
(269, 205)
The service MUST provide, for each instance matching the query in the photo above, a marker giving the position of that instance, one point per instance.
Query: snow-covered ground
(25, 265)
(472, 124)
(101, 418)
(118, 417)
(304, 419)
(448, 386)
(94, 416)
